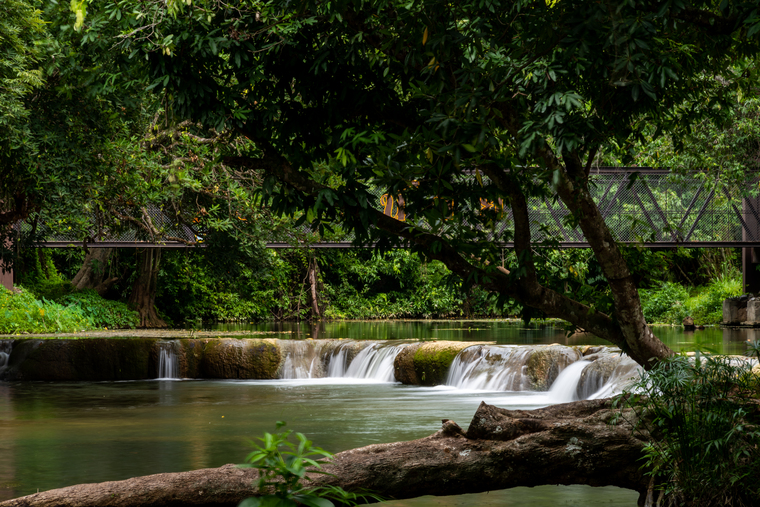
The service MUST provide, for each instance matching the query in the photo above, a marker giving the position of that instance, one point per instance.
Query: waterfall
(168, 362)
(302, 359)
(375, 362)
(564, 388)
(508, 368)
(490, 368)
(370, 360)
(609, 374)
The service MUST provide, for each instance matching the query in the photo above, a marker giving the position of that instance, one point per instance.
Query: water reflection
(712, 339)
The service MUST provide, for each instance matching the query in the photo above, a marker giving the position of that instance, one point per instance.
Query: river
(58, 434)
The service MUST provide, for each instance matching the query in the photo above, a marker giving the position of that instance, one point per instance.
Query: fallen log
(584, 442)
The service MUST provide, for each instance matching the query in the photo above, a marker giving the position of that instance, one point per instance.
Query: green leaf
(313, 501)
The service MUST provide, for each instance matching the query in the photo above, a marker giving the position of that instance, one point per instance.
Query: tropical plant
(24, 313)
(701, 419)
(283, 464)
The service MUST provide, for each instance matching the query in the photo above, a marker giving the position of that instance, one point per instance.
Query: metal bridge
(649, 207)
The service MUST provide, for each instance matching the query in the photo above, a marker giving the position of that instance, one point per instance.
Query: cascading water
(345, 359)
(490, 368)
(375, 362)
(168, 362)
(508, 368)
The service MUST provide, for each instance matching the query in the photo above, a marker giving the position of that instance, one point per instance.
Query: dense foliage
(24, 313)
(702, 417)
(462, 110)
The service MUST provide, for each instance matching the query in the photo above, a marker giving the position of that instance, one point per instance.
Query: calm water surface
(59, 434)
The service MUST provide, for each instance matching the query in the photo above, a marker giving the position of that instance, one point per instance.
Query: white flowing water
(375, 362)
(491, 368)
(506, 368)
(312, 359)
(501, 368)
(168, 362)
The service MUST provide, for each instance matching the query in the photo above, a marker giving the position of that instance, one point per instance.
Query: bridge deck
(648, 207)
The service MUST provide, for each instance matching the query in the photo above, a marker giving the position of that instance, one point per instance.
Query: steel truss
(648, 207)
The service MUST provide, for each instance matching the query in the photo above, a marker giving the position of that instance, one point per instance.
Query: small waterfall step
(368, 360)
(168, 361)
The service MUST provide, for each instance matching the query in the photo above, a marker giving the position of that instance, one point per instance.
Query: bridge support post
(6, 271)
(751, 255)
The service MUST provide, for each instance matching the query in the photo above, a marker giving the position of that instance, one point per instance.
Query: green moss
(233, 358)
(432, 361)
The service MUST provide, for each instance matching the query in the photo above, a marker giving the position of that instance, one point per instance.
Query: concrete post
(751, 255)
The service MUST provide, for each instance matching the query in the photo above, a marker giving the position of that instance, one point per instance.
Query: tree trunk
(143, 297)
(584, 442)
(92, 274)
(313, 292)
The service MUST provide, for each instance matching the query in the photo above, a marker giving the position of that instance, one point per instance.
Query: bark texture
(93, 273)
(313, 289)
(583, 442)
(143, 296)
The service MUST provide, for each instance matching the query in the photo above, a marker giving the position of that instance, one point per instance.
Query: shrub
(706, 306)
(703, 421)
(102, 312)
(665, 304)
(24, 313)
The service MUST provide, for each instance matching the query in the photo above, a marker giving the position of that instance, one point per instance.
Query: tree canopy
(460, 109)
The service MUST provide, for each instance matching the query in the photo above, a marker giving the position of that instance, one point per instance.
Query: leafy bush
(102, 312)
(24, 313)
(671, 302)
(665, 304)
(706, 306)
(282, 467)
(703, 421)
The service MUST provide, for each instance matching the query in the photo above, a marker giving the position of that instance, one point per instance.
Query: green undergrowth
(24, 313)
(27, 312)
(671, 302)
(701, 420)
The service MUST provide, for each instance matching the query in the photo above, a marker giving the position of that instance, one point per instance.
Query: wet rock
(433, 359)
(403, 365)
(89, 360)
(735, 310)
(244, 359)
(545, 364)
(590, 349)
(753, 310)
(595, 375)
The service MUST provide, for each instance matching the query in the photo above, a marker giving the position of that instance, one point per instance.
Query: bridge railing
(640, 205)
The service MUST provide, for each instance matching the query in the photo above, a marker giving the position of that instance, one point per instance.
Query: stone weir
(588, 371)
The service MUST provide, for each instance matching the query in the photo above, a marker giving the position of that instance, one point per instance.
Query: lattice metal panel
(61, 234)
(639, 205)
(651, 207)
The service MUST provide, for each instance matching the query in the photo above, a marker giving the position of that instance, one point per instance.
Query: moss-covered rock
(545, 364)
(87, 359)
(403, 365)
(433, 359)
(190, 357)
(245, 359)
